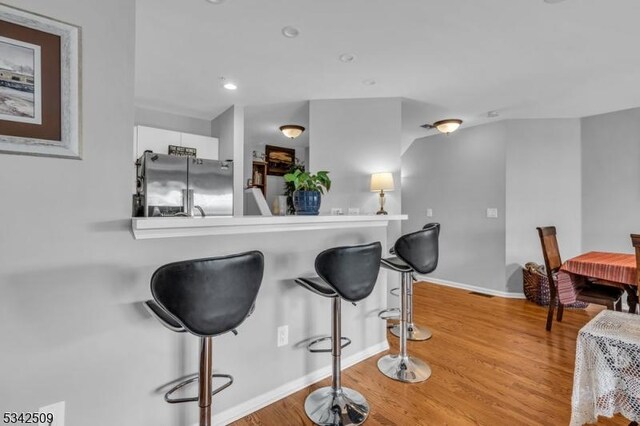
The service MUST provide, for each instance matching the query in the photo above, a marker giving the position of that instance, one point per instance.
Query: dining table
(604, 268)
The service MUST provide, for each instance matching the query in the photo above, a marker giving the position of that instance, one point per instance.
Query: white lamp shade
(447, 126)
(382, 182)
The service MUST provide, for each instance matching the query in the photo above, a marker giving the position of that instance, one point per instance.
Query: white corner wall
(543, 187)
(228, 127)
(611, 180)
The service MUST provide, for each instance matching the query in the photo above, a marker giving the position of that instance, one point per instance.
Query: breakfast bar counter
(167, 227)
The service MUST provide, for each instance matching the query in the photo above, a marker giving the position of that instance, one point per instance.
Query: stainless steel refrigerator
(183, 186)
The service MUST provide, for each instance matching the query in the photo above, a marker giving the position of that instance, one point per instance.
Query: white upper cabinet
(158, 140)
(206, 146)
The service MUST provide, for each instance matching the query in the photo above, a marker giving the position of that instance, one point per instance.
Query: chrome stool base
(342, 407)
(407, 369)
(414, 332)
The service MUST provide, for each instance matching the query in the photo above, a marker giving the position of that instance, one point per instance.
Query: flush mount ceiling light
(291, 131)
(290, 32)
(444, 126)
(229, 86)
(347, 57)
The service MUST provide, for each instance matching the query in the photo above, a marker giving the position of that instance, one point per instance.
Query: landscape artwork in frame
(40, 112)
(279, 160)
(20, 92)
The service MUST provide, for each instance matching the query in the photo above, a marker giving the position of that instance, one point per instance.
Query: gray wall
(459, 176)
(228, 127)
(543, 187)
(72, 277)
(354, 138)
(168, 121)
(611, 180)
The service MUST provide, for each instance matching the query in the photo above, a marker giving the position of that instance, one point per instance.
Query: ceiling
(459, 58)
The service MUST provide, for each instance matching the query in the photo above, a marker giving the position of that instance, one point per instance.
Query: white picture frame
(69, 144)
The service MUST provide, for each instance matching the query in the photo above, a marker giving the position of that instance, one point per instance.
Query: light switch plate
(429, 212)
(492, 213)
(283, 335)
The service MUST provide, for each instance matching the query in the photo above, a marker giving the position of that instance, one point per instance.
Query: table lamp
(381, 182)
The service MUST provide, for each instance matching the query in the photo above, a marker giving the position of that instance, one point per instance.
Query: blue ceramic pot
(306, 202)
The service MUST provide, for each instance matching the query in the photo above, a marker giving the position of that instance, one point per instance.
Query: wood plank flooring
(493, 364)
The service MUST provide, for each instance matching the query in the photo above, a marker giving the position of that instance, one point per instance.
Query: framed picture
(279, 159)
(39, 85)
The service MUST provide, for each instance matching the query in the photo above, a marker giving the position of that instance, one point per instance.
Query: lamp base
(381, 212)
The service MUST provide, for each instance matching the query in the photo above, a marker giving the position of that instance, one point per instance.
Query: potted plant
(308, 189)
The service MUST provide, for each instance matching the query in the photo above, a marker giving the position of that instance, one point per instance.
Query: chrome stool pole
(414, 331)
(403, 367)
(334, 405)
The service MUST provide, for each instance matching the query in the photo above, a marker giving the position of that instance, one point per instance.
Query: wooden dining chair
(589, 293)
(635, 240)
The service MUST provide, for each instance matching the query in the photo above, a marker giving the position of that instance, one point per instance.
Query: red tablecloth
(615, 267)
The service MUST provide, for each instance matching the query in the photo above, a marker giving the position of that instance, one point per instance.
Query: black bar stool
(416, 252)
(207, 298)
(348, 273)
(415, 332)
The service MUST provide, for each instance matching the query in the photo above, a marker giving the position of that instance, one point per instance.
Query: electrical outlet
(57, 410)
(283, 335)
(429, 212)
(492, 213)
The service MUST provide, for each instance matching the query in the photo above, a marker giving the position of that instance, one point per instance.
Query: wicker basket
(536, 286)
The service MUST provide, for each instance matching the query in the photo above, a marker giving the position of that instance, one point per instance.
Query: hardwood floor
(493, 364)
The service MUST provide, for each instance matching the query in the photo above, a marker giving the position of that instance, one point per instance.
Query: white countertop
(166, 227)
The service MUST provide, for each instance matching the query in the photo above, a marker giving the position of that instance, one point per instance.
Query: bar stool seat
(395, 264)
(348, 273)
(317, 285)
(206, 298)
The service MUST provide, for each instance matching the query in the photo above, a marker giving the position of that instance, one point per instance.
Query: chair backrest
(431, 225)
(635, 240)
(209, 296)
(420, 249)
(352, 271)
(550, 251)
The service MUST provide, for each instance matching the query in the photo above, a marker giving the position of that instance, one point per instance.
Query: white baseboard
(241, 410)
(469, 287)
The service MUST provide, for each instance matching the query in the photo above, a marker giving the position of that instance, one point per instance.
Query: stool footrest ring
(194, 378)
(389, 314)
(310, 346)
(395, 291)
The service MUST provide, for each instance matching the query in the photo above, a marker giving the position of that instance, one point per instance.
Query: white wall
(352, 139)
(177, 122)
(459, 176)
(543, 187)
(611, 180)
(72, 278)
(528, 169)
(228, 127)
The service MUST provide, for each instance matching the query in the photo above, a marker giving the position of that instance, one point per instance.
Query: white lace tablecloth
(607, 376)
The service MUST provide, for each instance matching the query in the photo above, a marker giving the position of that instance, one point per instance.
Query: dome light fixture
(291, 131)
(444, 126)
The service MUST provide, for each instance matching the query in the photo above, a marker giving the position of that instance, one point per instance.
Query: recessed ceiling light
(290, 32)
(369, 82)
(347, 57)
(493, 114)
(553, 1)
(230, 86)
(216, 1)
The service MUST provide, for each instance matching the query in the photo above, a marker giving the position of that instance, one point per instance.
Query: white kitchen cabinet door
(156, 140)
(206, 146)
